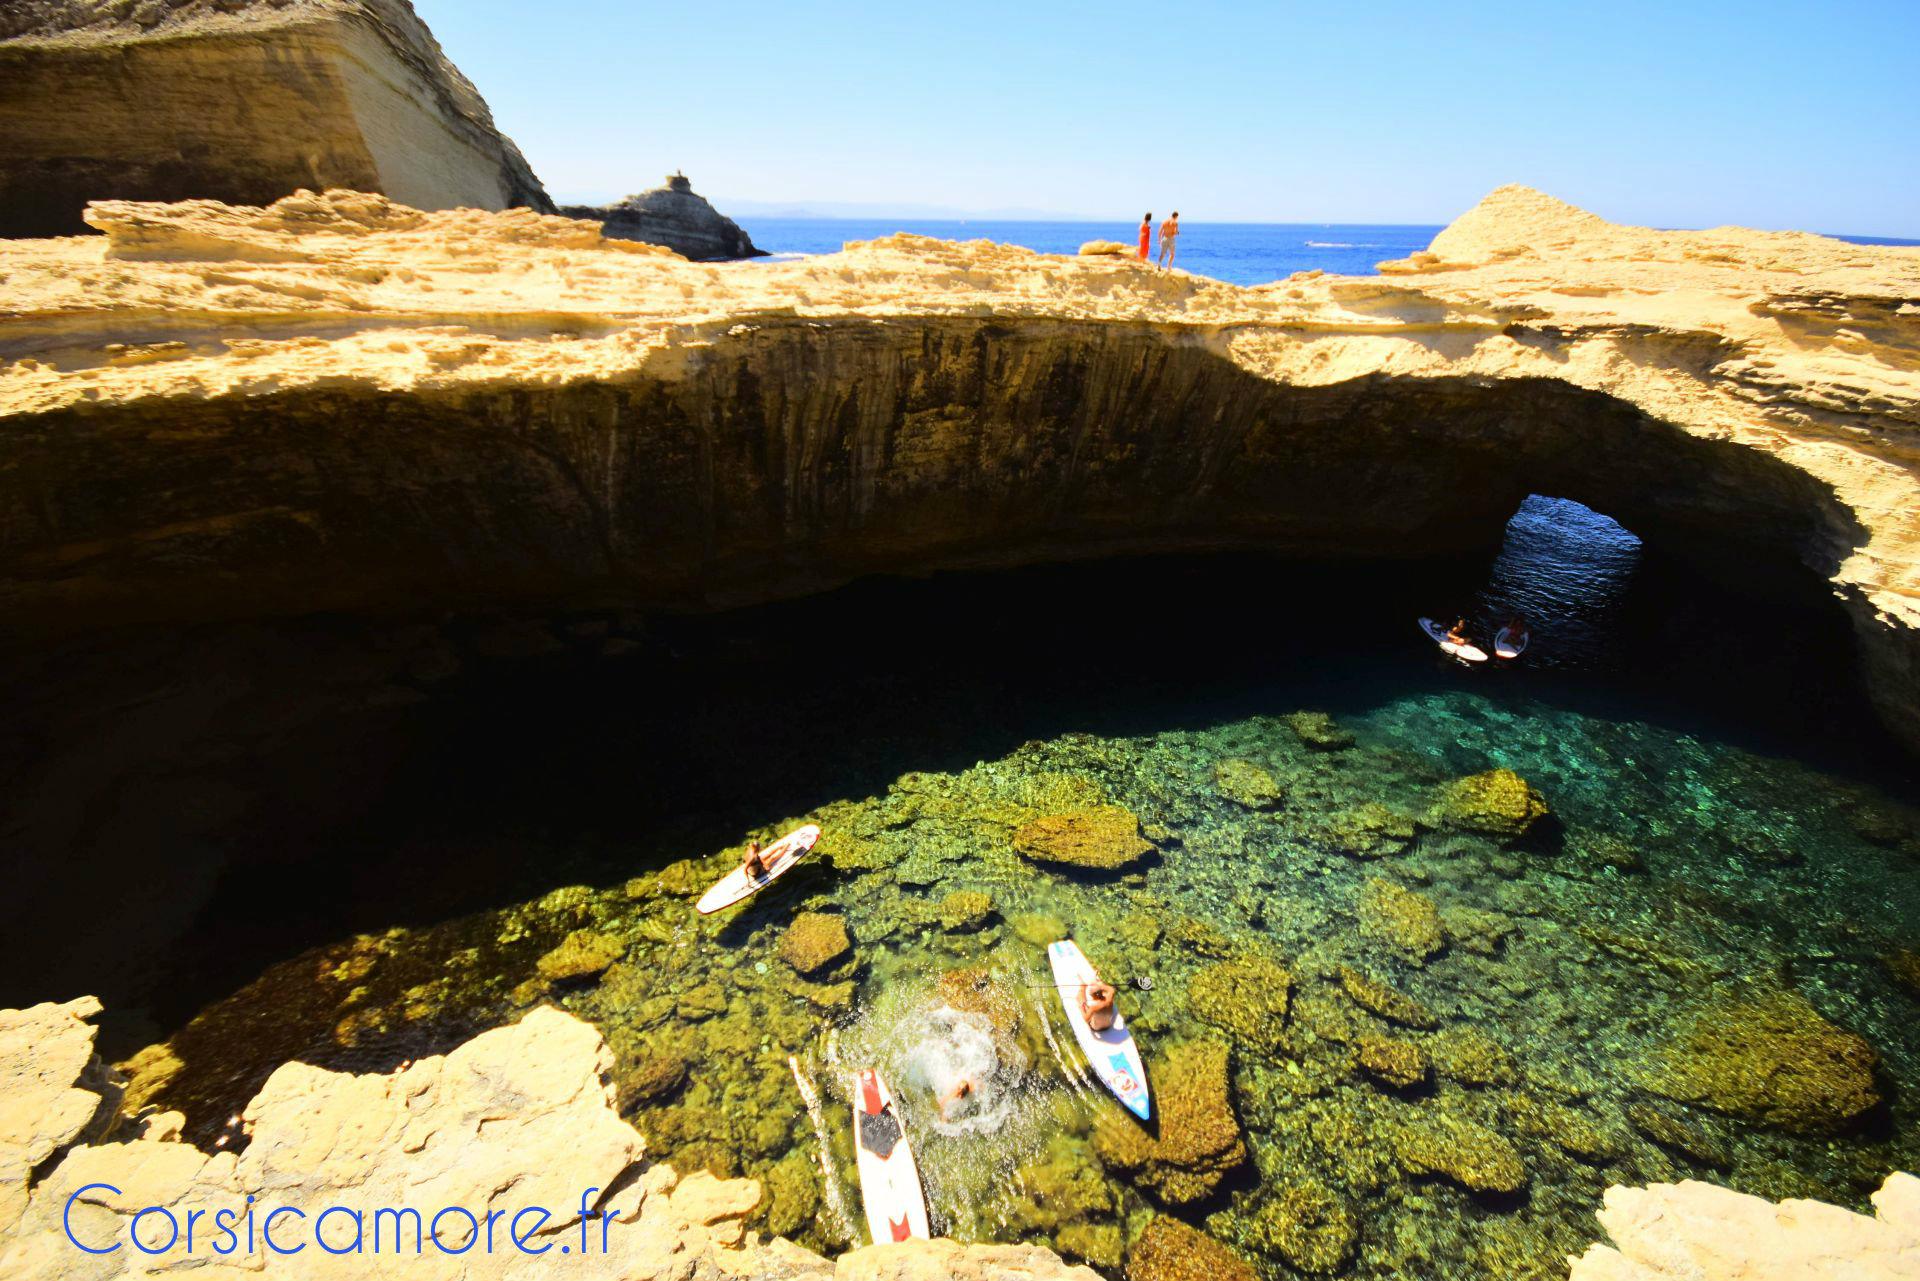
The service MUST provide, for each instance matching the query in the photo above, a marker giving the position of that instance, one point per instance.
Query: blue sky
(1680, 113)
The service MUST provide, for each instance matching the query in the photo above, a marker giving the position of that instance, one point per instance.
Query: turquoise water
(1241, 253)
(1389, 1033)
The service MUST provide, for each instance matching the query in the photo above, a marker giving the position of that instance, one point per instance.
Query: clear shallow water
(1241, 253)
(1719, 850)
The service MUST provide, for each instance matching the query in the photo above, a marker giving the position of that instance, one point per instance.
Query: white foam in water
(955, 1047)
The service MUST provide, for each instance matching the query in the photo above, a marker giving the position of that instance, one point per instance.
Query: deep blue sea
(1241, 253)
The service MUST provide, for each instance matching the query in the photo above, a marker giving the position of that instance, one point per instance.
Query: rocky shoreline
(523, 1117)
(663, 433)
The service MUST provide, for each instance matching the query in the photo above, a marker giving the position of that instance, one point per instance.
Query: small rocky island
(675, 215)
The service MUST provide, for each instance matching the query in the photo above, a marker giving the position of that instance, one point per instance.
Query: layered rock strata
(342, 403)
(518, 1117)
(237, 100)
(674, 216)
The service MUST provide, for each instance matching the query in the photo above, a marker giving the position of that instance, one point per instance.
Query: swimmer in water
(962, 1090)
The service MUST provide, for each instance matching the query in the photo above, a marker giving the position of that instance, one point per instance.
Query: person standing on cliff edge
(1146, 234)
(1169, 232)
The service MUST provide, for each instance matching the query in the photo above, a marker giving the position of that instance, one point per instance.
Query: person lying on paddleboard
(1096, 1002)
(755, 865)
(1457, 634)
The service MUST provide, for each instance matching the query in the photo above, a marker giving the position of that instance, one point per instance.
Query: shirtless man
(1458, 632)
(755, 865)
(1096, 1002)
(1169, 232)
(961, 1090)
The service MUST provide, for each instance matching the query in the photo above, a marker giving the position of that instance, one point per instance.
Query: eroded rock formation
(354, 405)
(520, 1116)
(673, 216)
(237, 100)
(1698, 1232)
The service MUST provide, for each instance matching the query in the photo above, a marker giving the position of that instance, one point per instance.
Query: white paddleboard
(779, 857)
(1504, 646)
(1465, 653)
(889, 1179)
(1115, 1058)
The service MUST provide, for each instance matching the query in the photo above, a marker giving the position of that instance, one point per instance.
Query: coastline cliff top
(1802, 347)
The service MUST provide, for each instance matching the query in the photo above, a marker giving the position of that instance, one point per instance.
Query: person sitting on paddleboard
(1457, 634)
(1517, 630)
(1096, 1002)
(755, 865)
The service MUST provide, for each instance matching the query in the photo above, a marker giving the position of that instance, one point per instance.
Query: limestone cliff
(239, 100)
(672, 215)
(340, 402)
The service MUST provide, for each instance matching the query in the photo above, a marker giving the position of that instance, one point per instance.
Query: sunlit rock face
(247, 102)
(341, 402)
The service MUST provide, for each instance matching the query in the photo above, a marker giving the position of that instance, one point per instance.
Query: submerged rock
(1104, 838)
(1468, 1153)
(1677, 1134)
(1402, 919)
(1498, 802)
(672, 215)
(1307, 1224)
(1199, 1141)
(815, 942)
(1320, 731)
(583, 954)
(1773, 1060)
(1368, 830)
(1471, 1057)
(1169, 1250)
(1376, 997)
(1247, 998)
(964, 911)
(1392, 1062)
(1247, 784)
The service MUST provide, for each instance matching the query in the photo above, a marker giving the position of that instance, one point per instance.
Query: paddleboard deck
(1465, 653)
(736, 885)
(1504, 646)
(1112, 1052)
(889, 1179)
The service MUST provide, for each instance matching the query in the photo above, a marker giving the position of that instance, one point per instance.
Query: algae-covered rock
(815, 942)
(1372, 995)
(1103, 838)
(1471, 1057)
(1307, 1224)
(1247, 998)
(1320, 731)
(964, 911)
(1103, 1245)
(1561, 1126)
(1677, 1134)
(1498, 802)
(793, 1194)
(1247, 784)
(1169, 1250)
(1475, 930)
(1903, 967)
(1367, 830)
(1037, 929)
(583, 954)
(1393, 1062)
(1772, 1060)
(1468, 1153)
(1199, 1143)
(656, 1077)
(1403, 920)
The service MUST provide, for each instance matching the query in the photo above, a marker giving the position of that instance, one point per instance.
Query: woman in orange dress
(1146, 235)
